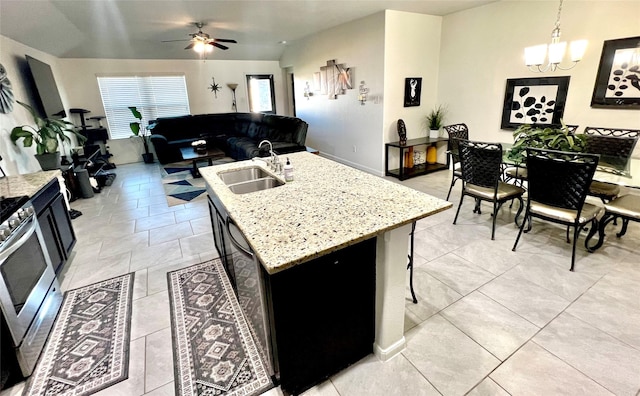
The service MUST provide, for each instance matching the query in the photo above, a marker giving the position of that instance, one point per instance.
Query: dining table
(624, 172)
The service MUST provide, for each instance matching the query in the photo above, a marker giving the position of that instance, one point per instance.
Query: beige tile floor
(489, 321)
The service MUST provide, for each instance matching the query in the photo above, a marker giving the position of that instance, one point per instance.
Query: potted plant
(435, 120)
(142, 133)
(45, 135)
(548, 137)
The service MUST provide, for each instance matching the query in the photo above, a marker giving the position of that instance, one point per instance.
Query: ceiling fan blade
(171, 41)
(225, 40)
(223, 47)
(189, 46)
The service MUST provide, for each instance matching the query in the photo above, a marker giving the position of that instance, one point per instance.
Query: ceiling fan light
(199, 47)
(208, 48)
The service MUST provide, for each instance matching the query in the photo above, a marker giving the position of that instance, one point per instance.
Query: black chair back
(560, 178)
(480, 162)
(456, 131)
(615, 146)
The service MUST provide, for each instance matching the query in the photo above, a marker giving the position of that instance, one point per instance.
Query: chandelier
(535, 56)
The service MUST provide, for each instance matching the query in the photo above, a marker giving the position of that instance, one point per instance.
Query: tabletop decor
(435, 121)
(214, 351)
(549, 137)
(412, 91)
(534, 101)
(618, 79)
(88, 349)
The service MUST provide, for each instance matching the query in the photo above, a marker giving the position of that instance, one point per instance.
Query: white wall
(78, 76)
(412, 48)
(336, 126)
(483, 47)
(19, 159)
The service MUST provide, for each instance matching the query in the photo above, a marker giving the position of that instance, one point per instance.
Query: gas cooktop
(9, 205)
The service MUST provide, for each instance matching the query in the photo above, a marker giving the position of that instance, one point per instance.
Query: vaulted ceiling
(135, 29)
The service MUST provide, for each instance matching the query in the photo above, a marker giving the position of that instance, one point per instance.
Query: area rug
(214, 351)
(88, 348)
(180, 186)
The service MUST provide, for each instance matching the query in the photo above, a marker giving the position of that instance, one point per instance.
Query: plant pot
(147, 158)
(49, 161)
(434, 133)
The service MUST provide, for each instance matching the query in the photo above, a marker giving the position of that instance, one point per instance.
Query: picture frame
(412, 91)
(617, 83)
(539, 101)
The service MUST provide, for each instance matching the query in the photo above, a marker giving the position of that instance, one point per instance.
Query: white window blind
(153, 96)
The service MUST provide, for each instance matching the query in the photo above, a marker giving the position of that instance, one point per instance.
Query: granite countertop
(327, 207)
(29, 184)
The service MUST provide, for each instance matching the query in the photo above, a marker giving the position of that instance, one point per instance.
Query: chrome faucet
(274, 162)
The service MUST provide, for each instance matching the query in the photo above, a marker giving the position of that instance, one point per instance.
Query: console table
(403, 172)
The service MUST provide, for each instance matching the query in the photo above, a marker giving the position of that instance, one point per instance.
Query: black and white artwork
(538, 101)
(412, 91)
(618, 79)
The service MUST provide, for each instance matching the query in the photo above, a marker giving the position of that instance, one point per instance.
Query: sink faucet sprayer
(273, 162)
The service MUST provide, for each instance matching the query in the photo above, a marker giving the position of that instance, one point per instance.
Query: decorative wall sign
(618, 79)
(335, 79)
(6, 92)
(534, 101)
(214, 87)
(412, 91)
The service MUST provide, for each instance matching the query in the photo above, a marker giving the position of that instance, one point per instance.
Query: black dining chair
(455, 132)
(558, 183)
(480, 164)
(615, 147)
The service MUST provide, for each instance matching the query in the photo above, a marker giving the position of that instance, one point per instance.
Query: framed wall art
(618, 79)
(534, 101)
(412, 91)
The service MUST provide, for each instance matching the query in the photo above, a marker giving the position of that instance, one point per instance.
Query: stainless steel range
(30, 295)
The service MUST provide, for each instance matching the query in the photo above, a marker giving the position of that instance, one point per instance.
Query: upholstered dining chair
(615, 147)
(558, 184)
(455, 132)
(480, 164)
(626, 207)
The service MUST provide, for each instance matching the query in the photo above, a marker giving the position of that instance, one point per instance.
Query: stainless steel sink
(243, 175)
(255, 185)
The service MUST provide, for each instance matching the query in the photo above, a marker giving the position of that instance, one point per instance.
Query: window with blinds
(153, 96)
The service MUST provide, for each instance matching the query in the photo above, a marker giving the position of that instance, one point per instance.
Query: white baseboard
(352, 164)
(387, 354)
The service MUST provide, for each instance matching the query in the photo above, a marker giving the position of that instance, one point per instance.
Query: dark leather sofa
(237, 134)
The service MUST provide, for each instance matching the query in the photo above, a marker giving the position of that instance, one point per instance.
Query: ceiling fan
(202, 42)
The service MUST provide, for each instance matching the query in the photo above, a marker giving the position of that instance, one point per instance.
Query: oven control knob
(29, 210)
(21, 214)
(4, 233)
(14, 222)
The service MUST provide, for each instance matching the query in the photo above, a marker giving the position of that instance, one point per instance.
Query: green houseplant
(435, 120)
(142, 133)
(549, 137)
(47, 134)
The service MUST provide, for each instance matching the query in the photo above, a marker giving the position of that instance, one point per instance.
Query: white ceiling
(134, 29)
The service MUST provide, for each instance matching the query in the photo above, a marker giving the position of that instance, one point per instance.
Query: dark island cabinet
(55, 223)
(323, 314)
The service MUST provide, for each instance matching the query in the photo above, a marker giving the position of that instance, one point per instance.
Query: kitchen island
(330, 208)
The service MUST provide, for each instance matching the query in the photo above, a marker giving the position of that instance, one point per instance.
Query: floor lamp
(233, 87)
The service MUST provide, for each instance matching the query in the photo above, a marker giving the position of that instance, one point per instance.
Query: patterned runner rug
(214, 352)
(88, 348)
(179, 185)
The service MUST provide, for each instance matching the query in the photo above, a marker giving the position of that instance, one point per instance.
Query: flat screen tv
(50, 104)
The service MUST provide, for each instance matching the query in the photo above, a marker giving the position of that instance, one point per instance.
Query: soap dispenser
(288, 171)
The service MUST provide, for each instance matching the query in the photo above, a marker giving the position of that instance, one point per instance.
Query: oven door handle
(7, 251)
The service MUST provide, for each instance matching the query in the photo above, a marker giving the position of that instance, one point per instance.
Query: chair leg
(568, 240)
(453, 182)
(493, 223)
(576, 231)
(524, 220)
(458, 211)
(410, 265)
(625, 224)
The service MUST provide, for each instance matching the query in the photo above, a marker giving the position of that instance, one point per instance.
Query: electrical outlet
(355, 149)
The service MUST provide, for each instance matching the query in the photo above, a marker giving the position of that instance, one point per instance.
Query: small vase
(434, 133)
